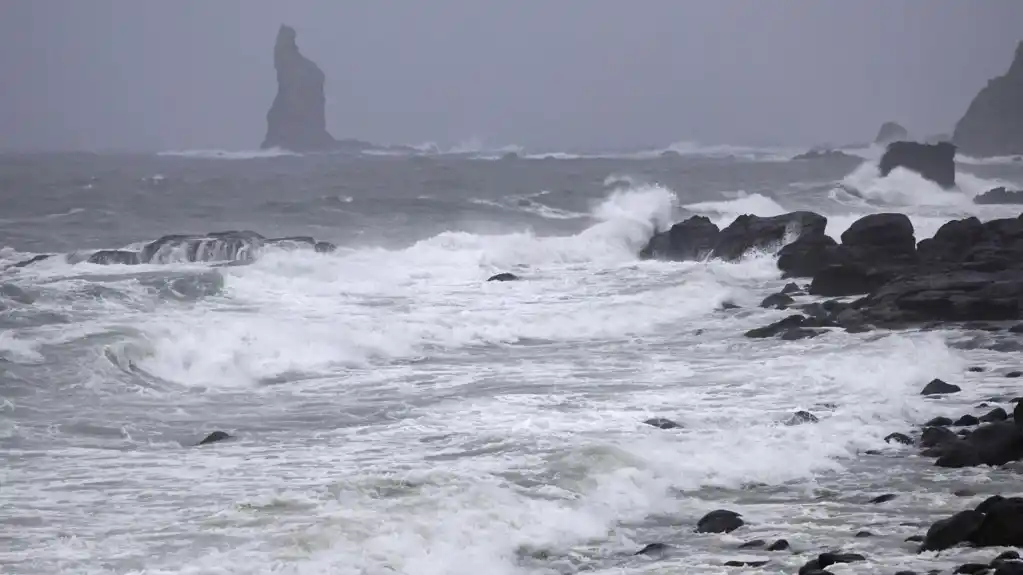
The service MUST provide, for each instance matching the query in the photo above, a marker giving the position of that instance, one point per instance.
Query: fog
(188, 74)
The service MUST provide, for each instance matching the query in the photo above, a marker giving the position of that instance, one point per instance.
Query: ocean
(392, 412)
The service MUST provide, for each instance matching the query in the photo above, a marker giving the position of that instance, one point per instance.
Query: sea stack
(993, 124)
(935, 162)
(891, 132)
(297, 119)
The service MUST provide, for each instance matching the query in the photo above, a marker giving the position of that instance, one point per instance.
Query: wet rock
(935, 162)
(662, 423)
(996, 414)
(1008, 556)
(915, 539)
(798, 333)
(801, 417)
(779, 545)
(939, 387)
(214, 437)
(777, 301)
(863, 534)
(114, 257)
(825, 155)
(951, 531)
(791, 288)
(975, 369)
(778, 327)
(966, 420)
(934, 436)
(503, 277)
(826, 560)
(1014, 374)
(898, 438)
(939, 421)
(1018, 328)
(745, 563)
(748, 232)
(755, 544)
(807, 255)
(883, 498)
(725, 305)
(653, 549)
(719, 521)
(31, 260)
(1002, 525)
(691, 240)
(812, 567)
(971, 568)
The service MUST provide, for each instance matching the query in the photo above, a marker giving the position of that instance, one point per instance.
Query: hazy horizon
(113, 75)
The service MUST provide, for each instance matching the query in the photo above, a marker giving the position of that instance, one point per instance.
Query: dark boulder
(719, 521)
(883, 498)
(938, 387)
(1002, 525)
(953, 530)
(826, 155)
(966, 420)
(801, 417)
(993, 123)
(891, 132)
(791, 288)
(935, 162)
(31, 260)
(999, 195)
(779, 545)
(110, 257)
(990, 444)
(503, 277)
(653, 549)
(939, 421)
(214, 437)
(898, 438)
(995, 415)
(778, 327)
(749, 232)
(826, 560)
(807, 255)
(690, 240)
(881, 239)
(777, 301)
(662, 423)
(213, 247)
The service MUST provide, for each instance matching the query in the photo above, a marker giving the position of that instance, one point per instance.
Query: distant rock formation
(891, 132)
(826, 155)
(999, 196)
(297, 119)
(993, 124)
(935, 162)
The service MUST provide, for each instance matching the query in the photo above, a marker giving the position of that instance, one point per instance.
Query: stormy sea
(390, 411)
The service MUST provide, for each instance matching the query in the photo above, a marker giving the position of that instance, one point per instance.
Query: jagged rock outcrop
(698, 238)
(891, 132)
(993, 123)
(826, 155)
(1000, 196)
(935, 162)
(297, 119)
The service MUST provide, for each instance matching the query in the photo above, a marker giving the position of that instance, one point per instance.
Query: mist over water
(393, 412)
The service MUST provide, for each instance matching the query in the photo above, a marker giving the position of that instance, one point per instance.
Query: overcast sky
(188, 74)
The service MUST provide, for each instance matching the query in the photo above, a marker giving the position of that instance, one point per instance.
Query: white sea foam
(230, 154)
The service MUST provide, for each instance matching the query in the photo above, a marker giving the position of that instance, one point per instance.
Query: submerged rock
(503, 277)
(297, 119)
(993, 123)
(719, 521)
(935, 162)
(108, 257)
(938, 387)
(1000, 195)
(662, 423)
(214, 437)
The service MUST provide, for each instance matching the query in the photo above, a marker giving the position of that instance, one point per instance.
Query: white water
(230, 154)
(433, 423)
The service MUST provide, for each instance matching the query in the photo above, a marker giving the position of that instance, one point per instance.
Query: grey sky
(186, 74)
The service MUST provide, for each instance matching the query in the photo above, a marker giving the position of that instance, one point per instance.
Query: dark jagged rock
(779, 545)
(826, 560)
(993, 123)
(953, 530)
(503, 277)
(935, 436)
(939, 421)
(108, 257)
(939, 387)
(691, 240)
(748, 232)
(31, 260)
(873, 250)
(990, 444)
(999, 195)
(995, 415)
(777, 301)
(883, 498)
(966, 420)
(1002, 525)
(755, 544)
(213, 247)
(297, 119)
(662, 423)
(744, 563)
(971, 568)
(791, 288)
(807, 256)
(898, 438)
(826, 155)
(891, 132)
(719, 521)
(214, 437)
(934, 162)
(653, 549)
(801, 417)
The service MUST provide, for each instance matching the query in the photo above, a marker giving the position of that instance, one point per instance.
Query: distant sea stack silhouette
(993, 124)
(891, 132)
(935, 162)
(297, 120)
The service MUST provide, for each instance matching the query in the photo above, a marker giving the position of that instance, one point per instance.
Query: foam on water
(230, 154)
